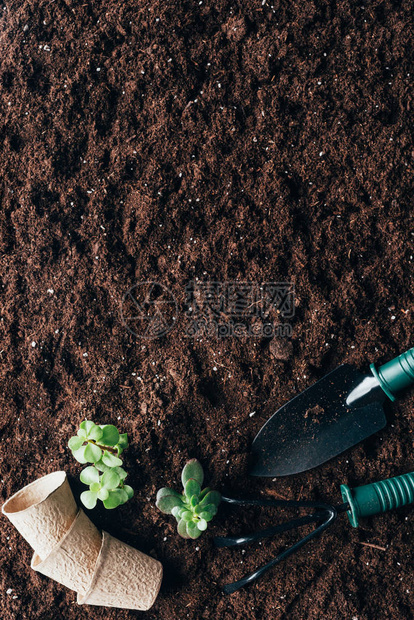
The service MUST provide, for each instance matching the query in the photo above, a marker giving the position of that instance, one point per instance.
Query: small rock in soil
(281, 349)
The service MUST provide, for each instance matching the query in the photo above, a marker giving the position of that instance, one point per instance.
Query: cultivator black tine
(325, 513)
(233, 541)
(276, 503)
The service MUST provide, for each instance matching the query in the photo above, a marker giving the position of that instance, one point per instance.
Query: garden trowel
(335, 413)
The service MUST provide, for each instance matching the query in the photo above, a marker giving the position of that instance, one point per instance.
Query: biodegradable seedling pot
(73, 560)
(124, 577)
(43, 511)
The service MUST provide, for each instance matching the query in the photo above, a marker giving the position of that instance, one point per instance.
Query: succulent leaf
(192, 487)
(175, 512)
(128, 490)
(212, 497)
(75, 443)
(192, 469)
(110, 480)
(115, 498)
(95, 433)
(166, 491)
(101, 466)
(182, 529)
(204, 493)
(103, 494)
(167, 502)
(110, 435)
(121, 473)
(89, 475)
(92, 453)
(182, 511)
(210, 509)
(122, 442)
(111, 460)
(79, 455)
(89, 499)
(192, 530)
(87, 426)
(202, 525)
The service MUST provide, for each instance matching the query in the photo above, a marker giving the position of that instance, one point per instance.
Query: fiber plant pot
(43, 511)
(124, 577)
(73, 559)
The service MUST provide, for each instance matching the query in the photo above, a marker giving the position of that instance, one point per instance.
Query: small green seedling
(193, 508)
(101, 445)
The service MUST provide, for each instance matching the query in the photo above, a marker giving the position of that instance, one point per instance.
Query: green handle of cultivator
(397, 374)
(378, 497)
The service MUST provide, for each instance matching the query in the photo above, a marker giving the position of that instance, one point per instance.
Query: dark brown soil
(221, 140)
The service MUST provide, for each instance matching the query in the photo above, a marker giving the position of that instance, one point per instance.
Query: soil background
(225, 140)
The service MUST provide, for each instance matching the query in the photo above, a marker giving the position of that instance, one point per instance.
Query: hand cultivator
(360, 502)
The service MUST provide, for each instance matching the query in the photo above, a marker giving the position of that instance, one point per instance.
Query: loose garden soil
(226, 140)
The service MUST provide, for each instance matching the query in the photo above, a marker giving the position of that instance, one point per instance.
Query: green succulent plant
(108, 487)
(194, 508)
(101, 445)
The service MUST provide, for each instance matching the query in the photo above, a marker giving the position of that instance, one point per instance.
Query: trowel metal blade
(315, 426)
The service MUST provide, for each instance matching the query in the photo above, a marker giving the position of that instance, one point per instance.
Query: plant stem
(107, 448)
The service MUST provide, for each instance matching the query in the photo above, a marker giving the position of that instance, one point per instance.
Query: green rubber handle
(377, 497)
(397, 374)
